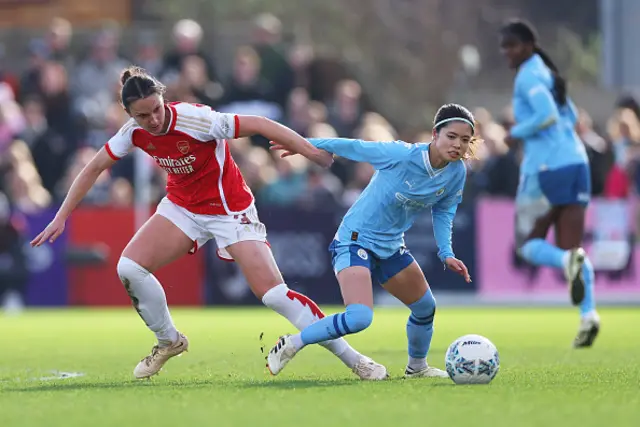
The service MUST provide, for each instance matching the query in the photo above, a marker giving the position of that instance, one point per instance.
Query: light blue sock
(589, 302)
(541, 252)
(356, 318)
(420, 329)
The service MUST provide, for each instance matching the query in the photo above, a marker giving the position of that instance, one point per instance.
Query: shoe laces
(154, 352)
(365, 366)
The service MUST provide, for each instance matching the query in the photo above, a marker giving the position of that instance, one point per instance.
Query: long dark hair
(138, 84)
(526, 33)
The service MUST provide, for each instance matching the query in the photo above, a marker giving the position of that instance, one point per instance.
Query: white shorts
(225, 229)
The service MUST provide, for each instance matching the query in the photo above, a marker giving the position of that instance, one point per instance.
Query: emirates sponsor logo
(180, 166)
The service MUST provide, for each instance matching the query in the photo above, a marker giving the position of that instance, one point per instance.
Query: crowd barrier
(80, 268)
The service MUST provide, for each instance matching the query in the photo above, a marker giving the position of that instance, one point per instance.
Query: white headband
(459, 119)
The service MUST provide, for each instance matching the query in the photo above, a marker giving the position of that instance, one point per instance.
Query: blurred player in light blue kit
(555, 183)
(369, 245)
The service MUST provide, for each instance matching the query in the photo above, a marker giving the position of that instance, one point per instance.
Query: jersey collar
(172, 118)
(427, 164)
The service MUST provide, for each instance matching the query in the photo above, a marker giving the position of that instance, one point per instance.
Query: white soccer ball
(472, 359)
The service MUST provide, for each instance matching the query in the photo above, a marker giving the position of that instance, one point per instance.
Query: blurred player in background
(555, 186)
(207, 198)
(369, 245)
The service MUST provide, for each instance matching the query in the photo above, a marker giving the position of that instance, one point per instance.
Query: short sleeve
(205, 124)
(121, 143)
(224, 126)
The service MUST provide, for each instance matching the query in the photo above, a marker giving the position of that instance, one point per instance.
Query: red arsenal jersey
(202, 176)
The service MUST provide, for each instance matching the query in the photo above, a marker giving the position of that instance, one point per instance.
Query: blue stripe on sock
(344, 323)
(335, 325)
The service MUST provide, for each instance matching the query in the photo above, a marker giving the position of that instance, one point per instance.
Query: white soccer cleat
(369, 370)
(428, 372)
(280, 354)
(153, 363)
(573, 274)
(588, 330)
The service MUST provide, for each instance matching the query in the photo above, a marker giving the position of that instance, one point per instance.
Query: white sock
(417, 364)
(301, 311)
(148, 299)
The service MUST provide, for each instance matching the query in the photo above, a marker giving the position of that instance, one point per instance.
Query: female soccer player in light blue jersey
(555, 183)
(369, 245)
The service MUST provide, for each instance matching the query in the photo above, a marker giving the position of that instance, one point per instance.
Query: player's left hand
(458, 266)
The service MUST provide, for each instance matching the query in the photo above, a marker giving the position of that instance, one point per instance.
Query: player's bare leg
(158, 243)
(256, 261)
(411, 287)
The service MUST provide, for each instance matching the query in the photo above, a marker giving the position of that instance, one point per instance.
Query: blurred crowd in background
(64, 106)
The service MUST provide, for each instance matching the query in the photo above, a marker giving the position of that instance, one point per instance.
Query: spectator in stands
(39, 54)
(624, 132)
(50, 150)
(275, 69)
(100, 192)
(248, 93)
(23, 182)
(11, 117)
(95, 82)
(187, 38)
(345, 110)
(57, 102)
(6, 75)
(148, 53)
(13, 263)
(290, 183)
(598, 150)
(58, 40)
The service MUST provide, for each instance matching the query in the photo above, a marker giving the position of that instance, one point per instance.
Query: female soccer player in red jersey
(207, 198)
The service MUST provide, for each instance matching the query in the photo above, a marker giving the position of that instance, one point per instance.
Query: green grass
(222, 380)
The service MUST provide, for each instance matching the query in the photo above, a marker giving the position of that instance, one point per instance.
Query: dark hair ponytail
(559, 82)
(138, 84)
(527, 34)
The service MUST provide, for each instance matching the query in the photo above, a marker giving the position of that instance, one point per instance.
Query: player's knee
(129, 271)
(357, 318)
(424, 310)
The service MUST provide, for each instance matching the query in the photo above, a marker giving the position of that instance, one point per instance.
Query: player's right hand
(320, 157)
(277, 147)
(50, 233)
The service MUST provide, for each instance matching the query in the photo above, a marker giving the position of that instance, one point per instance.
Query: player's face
(452, 142)
(150, 113)
(514, 50)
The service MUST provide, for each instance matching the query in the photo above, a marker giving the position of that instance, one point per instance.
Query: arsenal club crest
(183, 146)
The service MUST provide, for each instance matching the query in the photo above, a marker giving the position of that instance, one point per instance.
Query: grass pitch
(222, 381)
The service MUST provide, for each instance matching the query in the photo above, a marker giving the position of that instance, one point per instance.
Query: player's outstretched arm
(289, 139)
(79, 188)
(379, 154)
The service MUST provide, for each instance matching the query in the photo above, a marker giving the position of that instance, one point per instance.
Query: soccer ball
(472, 359)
